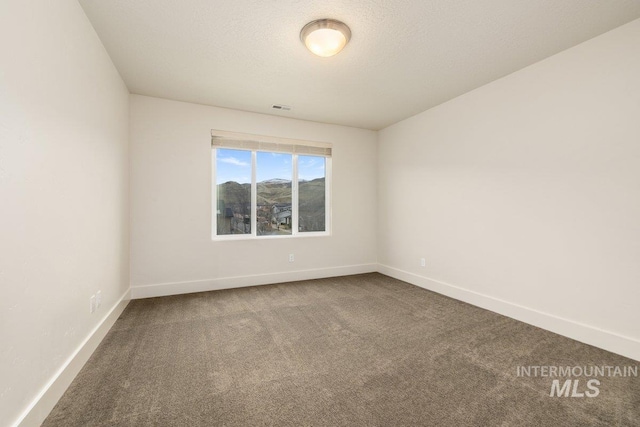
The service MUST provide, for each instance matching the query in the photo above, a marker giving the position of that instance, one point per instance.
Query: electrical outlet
(92, 304)
(291, 258)
(423, 262)
(98, 299)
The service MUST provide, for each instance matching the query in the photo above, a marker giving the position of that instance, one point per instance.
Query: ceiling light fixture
(325, 37)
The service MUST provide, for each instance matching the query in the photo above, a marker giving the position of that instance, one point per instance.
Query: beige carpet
(362, 350)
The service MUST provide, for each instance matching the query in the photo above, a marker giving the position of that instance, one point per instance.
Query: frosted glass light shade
(325, 37)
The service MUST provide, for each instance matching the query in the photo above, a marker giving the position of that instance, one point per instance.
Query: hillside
(235, 198)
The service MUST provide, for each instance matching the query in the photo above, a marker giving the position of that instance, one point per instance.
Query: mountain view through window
(275, 201)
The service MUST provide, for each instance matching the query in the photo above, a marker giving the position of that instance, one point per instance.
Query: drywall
(63, 198)
(526, 193)
(171, 196)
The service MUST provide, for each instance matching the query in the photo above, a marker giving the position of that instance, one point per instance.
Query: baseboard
(176, 288)
(44, 402)
(610, 341)
(35, 414)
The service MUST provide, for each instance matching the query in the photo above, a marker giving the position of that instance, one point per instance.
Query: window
(264, 186)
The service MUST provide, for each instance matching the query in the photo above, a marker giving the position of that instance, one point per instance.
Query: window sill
(232, 237)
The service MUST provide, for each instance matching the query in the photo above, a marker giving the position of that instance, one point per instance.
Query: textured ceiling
(405, 56)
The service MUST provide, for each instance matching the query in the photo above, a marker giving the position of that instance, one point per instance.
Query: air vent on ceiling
(280, 107)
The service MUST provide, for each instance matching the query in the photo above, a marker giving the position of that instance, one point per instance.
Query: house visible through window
(264, 186)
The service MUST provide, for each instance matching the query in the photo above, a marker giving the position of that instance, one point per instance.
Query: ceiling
(404, 57)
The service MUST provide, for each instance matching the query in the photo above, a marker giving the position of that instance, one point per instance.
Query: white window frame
(269, 144)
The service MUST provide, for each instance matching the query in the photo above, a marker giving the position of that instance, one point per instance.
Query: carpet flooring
(364, 350)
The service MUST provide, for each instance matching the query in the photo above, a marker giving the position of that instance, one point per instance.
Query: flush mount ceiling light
(325, 37)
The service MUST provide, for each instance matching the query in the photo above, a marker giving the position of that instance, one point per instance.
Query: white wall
(63, 195)
(524, 195)
(171, 246)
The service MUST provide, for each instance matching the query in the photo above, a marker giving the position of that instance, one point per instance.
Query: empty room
(300, 213)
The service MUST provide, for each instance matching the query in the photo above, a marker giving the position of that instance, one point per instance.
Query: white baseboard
(164, 289)
(35, 414)
(44, 402)
(610, 341)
